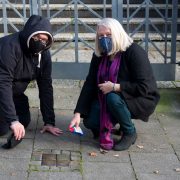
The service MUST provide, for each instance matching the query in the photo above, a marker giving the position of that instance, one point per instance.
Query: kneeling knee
(113, 99)
(3, 132)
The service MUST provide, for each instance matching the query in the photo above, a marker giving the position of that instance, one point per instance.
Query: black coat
(135, 76)
(18, 66)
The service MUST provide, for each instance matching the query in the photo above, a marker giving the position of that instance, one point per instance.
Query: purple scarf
(108, 71)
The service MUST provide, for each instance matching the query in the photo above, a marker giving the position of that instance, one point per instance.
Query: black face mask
(36, 46)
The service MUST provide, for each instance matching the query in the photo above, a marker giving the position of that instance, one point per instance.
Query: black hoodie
(18, 66)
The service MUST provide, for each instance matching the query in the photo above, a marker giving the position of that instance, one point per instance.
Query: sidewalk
(154, 156)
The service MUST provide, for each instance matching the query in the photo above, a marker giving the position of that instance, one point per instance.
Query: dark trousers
(22, 111)
(118, 110)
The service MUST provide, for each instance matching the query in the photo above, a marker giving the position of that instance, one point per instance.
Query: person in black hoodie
(119, 87)
(24, 56)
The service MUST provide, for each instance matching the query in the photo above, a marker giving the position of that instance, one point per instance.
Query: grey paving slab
(66, 83)
(178, 154)
(63, 142)
(64, 98)
(152, 143)
(14, 176)
(111, 156)
(23, 150)
(171, 125)
(31, 129)
(55, 176)
(12, 166)
(66, 141)
(174, 139)
(170, 121)
(149, 162)
(106, 171)
(151, 127)
(158, 177)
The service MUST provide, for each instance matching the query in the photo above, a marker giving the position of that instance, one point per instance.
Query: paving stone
(151, 127)
(63, 160)
(88, 147)
(65, 168)
(178, 154)
(46, 162)
(55, 175)
(169, 121)
(22, 150)
(75, 156)
(49, 160)
(64, 98)
(13, 165)
(171, 125)
(65, 152)
(152, 143)
(34, 167)
(66, 83)
(46, 151)
(149, 162)
(157, 177)
(14, 176)
(66, 141)
(55, 169)
(49, 157)
(36, 156)
(37, 163)
(63, 163)
(107, 170)
(54, 151)
(64, 157)
(75, 165)
(31, 129)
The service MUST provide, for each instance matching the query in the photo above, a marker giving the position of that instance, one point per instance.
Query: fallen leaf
(13, 174)
(140, 146)
(177, 169)
(103, 151)
(156, 172)
(116, 155)
(93, 154)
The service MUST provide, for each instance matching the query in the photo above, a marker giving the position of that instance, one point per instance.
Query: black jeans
(22, 110)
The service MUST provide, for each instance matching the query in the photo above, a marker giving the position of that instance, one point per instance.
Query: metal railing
(125, 13)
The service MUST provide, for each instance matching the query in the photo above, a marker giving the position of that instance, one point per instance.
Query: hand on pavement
(18, 130)
(51, 129)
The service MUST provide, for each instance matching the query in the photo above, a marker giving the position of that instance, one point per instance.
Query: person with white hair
(119, 87)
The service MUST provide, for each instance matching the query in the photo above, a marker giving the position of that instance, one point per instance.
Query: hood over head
(36, 24)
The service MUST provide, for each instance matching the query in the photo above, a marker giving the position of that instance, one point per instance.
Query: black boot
(125, 142)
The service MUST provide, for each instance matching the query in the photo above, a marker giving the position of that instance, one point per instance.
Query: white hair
(120, 39)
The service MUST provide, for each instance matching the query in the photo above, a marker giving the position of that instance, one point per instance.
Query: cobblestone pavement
(154, 156)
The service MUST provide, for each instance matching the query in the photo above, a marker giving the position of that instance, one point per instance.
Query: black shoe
(125, 142)
(11, 142)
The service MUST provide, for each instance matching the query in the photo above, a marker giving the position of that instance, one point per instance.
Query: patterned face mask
(105, 44)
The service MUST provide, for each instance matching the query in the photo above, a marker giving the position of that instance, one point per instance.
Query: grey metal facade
(122, 12)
